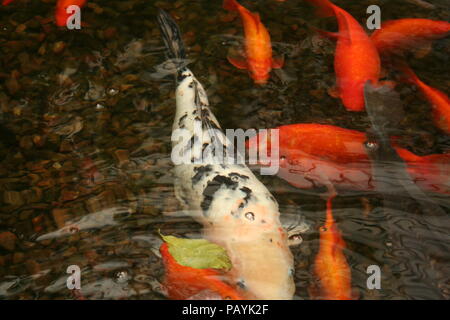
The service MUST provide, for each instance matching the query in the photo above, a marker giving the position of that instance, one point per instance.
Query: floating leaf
(197, 253)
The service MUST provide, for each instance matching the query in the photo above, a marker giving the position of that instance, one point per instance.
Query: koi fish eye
(250, 216)
(241, 284)
(295, 237)
(370, 145)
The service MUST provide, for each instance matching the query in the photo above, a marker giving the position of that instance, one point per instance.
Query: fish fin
(327, 34)
(388, 83)
(409, 75)
(230, 5)
(238, 62)
(344, 34)
(277, 63)
(334, 92)
(171, 35)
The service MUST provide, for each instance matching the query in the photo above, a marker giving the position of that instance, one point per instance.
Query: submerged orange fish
(258, 48)
(439, 101)
(312, 155)
(184, 282)
(395, 36)
(61, 14)
(356, 59)
(331, 266)
(6, 2)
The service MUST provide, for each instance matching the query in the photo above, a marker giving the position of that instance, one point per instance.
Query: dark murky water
(86, 116)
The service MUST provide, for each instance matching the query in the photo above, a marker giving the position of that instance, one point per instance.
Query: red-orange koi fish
(313, 155)
(258, 48)
(396, 36)
(439, 101)
(183, 282)
(356, 59)
(331, 266)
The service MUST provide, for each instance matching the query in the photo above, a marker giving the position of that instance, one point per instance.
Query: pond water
(85, 124)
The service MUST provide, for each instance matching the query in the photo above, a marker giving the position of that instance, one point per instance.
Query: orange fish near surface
(331, 266)
(61, 14)
(6, 2)
(258, 48)
(395, 36)
(314, 155)
(356, 59)
(440, 102)
(184, 282)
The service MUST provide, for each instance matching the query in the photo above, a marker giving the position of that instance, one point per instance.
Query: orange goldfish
(312, 155)
(440, 102)
(395, 36)
(61, 14)
(258, 48)
(184, 282)
(6, 2)
(356, 59)
(331, 266)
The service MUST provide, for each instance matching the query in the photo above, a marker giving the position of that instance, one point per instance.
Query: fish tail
(325, 8)
(231, 5)
(172, 36)
(408, 74)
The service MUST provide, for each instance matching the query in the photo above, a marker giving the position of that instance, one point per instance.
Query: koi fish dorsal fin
(238, 62)
(327, 34)
(277, 63)
(344, 32)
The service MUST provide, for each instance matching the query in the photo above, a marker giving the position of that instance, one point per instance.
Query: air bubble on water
(113, 91)
(122, 276)
(73, 229)
(99, 106)
(388, 244)
(250, 216)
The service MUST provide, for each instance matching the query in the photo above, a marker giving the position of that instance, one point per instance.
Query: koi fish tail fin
(324, 8)
(431, 172)
(172, 38)
(230, 5)
(408, 74)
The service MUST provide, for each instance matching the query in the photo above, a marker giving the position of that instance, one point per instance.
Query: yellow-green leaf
(197, 253)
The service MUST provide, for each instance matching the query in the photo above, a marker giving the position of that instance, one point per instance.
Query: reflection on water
(85, 124)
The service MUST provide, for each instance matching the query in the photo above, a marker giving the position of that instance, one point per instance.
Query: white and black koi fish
(235, 208)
